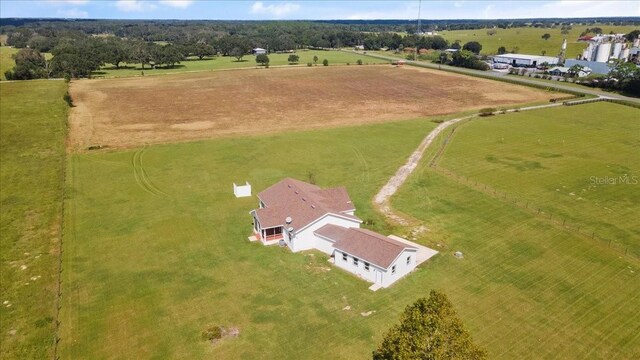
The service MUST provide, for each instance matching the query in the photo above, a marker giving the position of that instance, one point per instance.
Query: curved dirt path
(381, 199)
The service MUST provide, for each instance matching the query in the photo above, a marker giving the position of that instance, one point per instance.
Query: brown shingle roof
(303, 202)
(364, 244)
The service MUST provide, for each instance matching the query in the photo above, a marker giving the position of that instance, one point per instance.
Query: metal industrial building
(524, 60)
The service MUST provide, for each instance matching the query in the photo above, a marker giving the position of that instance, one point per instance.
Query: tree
(77, 57)
(467, 59)
(624, 71)
(502, 50)
(30, 64)
(116, 51)
(325, 62)
(456, 45)
(237, 53)
(429, 329)
(472, 46)
(633, 35)
(201, 50)
(262, 59)
(315, 59)
(546, 36)
(141, 52)
(359, 61)
(575, 70)
(293, 58)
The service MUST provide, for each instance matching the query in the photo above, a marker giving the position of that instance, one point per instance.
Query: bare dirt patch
(131, 112)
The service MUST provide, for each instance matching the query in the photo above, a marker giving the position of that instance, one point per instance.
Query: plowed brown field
(135, 111)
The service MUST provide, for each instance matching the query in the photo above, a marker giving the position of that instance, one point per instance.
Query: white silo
(617, 49)
(604, 50)
(624, 55)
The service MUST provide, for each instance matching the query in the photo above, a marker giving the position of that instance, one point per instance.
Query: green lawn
(228, 62)
(529, 40)
(149, 272)
(548, 158)
(6, 60)
(156, 250)
(527, 286)
(33, 122)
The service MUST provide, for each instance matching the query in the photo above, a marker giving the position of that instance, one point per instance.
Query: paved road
(519, 79)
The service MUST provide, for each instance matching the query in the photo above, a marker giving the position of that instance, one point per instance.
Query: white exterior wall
(306, 239)
(402, 268)
(357, 270)
(324, 245)
(377, 275)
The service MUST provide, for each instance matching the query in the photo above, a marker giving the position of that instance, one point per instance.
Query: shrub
(359, 62)
(67, 98)
(212, 333)
(309, 64)
(348, 63)
(487, 111)
(325, 62)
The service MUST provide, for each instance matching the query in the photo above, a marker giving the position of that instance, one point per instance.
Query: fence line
(556, 220)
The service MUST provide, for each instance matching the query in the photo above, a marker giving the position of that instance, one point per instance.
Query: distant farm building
(303, 216)
(358, 47)
(258, 51)
(523, 60)
(566, 71)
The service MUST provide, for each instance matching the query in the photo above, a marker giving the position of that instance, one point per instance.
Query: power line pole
(419, 8)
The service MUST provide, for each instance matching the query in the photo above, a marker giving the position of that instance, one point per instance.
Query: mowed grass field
(553, 159)
(248, 102)
(32, 142)
(526, 285)
(335, 57)
(529, 40)
(6, 60)
(156, 250)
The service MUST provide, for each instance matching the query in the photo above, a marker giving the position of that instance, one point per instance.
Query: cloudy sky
(270, 10)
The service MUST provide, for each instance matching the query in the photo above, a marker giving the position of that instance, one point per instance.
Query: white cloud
(458, 4)
(571, 8)
(181, 4)
(488, 11)
(74, 13)
(407, 11)
(275, 10)
(70, 2)
(134, 5)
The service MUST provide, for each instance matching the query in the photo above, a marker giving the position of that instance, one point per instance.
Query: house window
(393, 269)
(355, 261)
(408, 259)
(344, 256)
(366, 266)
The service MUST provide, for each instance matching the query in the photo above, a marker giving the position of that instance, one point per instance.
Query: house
(303, 216)
(566, 71)
(524, 60)
(258, 51)
(373, 257)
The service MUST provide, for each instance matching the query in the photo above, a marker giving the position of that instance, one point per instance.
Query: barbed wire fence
(582, 230)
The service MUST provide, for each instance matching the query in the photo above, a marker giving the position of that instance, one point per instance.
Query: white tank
(624, 55)
(604, 50)
(587, 54)
(636, 42)
(617, 49)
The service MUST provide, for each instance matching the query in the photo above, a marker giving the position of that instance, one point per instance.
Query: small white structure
(524, 60)
(306, 217)
(258, 51)
(242, 190)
